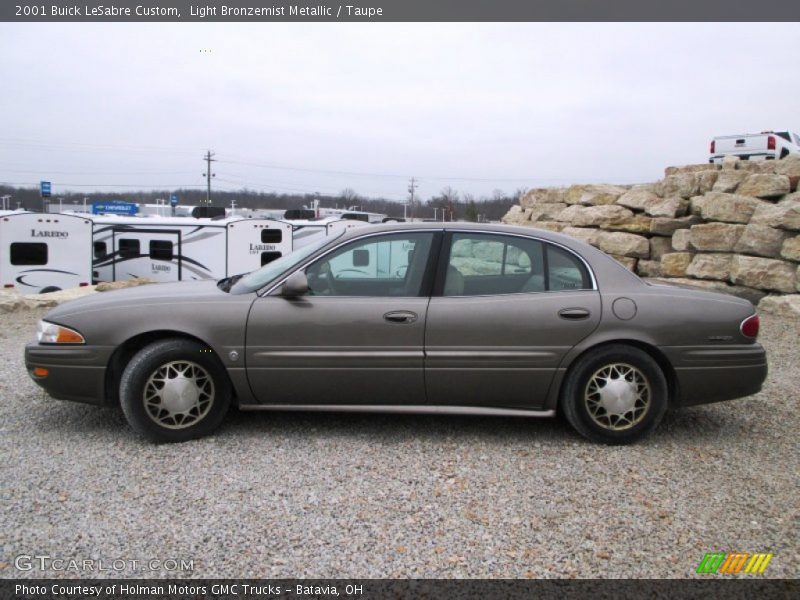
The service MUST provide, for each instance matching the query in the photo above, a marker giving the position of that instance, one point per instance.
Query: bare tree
(349, 197)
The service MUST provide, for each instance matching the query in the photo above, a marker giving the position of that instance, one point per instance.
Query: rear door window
(487, 264)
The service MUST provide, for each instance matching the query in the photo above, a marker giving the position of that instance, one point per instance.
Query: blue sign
(173, 199)
(116, 208)
(44, 189)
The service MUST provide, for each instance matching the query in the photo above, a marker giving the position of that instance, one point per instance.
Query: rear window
(268, 257)
(271, 236)
(785, 135)
(28, 253)
(128, 248)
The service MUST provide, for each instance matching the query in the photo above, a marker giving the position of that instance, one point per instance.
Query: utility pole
(411, 189)
(208, 175)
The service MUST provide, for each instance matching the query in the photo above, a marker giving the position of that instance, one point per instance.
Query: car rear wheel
(174, 390)
(616, 394)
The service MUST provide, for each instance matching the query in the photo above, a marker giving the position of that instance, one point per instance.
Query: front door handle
(400, 316)
(574, 314)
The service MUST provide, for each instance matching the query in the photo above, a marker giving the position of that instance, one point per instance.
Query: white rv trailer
(184, 248)
(305, 232)
(41, 252)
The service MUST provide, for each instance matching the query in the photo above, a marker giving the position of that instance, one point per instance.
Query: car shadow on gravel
(691, 425)
(694, 424)
(395, 427)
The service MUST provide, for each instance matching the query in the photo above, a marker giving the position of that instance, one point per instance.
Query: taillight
(713, 146)
(771, 142)
(749, 327)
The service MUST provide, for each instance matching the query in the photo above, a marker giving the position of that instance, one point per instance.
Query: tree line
(449, 204)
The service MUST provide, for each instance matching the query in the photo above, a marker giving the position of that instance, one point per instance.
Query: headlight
(50, 333)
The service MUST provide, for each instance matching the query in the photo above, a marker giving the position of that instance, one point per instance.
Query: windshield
(257, 279)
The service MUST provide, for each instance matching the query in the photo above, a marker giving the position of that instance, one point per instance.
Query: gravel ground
(316, 495)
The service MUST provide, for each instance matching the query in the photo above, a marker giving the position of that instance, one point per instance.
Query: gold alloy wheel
(617, 396)
(178, 394)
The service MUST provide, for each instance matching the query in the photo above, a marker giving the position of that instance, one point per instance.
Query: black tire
(178, 352)
(649, 380)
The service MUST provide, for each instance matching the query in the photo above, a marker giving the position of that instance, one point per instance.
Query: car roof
(463, 226)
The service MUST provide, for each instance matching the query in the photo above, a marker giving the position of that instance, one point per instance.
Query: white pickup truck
(767, 145)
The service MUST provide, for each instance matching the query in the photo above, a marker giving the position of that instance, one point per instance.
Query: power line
(87, 147)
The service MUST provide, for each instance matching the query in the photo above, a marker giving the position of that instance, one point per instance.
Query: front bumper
(712, 374)
(76, 373)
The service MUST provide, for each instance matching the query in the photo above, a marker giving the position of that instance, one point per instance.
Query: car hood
(187, 292)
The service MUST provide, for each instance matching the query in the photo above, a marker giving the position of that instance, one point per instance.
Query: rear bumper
(743, 156)
(713, 374)
(75, 373)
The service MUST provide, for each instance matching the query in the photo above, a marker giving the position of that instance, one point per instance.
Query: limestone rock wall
(733, 227)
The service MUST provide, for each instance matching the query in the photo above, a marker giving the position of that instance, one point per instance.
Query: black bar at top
(403, 11)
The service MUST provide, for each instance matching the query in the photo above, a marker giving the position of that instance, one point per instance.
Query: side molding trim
(405, 409)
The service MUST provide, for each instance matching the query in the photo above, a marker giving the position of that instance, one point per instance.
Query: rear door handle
(400, 316)
(574, 314)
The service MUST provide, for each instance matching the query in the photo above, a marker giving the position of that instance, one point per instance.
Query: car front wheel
(615, 394)
(174, 390)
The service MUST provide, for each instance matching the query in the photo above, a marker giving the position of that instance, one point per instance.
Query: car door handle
(400, 316)
(574, 314)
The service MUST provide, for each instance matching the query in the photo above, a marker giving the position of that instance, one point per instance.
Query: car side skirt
(405, 409)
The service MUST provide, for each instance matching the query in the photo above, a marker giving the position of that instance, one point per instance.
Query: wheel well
(652, 351)
(125, 351)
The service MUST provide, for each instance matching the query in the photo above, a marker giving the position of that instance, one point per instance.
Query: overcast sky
(321, 107)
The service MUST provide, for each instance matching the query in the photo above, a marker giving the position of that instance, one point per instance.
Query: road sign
(44, 189)
(173, 199)
(116, 208)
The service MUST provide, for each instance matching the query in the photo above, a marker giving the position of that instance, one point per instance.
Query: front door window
(382, 266)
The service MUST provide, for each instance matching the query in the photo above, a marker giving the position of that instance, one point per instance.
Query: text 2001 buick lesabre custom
(429, 317)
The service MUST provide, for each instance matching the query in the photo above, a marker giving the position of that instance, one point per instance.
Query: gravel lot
(315, 495)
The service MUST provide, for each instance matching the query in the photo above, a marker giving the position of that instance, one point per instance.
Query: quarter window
(28, 253)
(565, 271)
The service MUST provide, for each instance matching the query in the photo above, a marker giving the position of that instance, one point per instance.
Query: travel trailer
(42, 253)
(184, 248)
(305, 232)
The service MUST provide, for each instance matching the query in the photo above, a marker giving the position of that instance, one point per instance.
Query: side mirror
(295, 286)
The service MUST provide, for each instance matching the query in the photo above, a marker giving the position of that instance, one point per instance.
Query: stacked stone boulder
(732, 227)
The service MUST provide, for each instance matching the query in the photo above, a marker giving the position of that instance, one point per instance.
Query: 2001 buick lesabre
(431, 317)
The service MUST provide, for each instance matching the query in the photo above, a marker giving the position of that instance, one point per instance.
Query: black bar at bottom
(716, 586)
